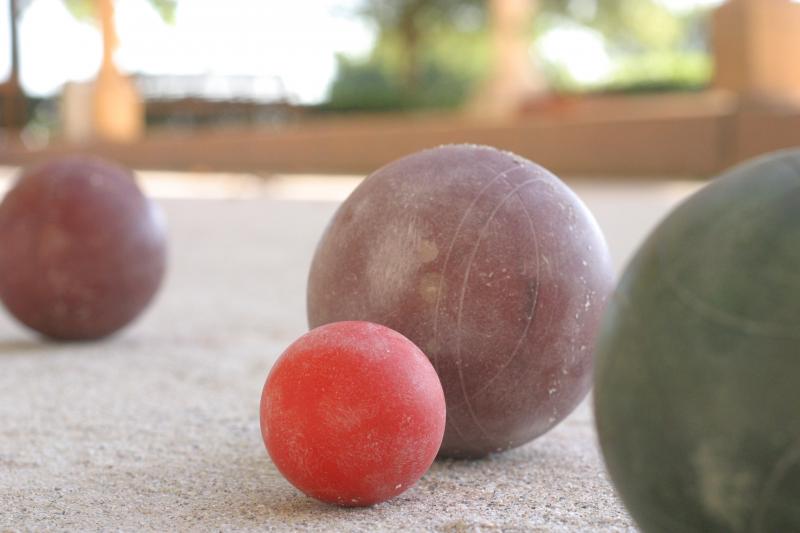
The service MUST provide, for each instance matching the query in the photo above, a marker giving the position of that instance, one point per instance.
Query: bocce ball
(697, 388)
(82, 251)
(492, 266)
(352, 413)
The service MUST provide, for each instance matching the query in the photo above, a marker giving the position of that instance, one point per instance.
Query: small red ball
(352, 413)
(82, 250)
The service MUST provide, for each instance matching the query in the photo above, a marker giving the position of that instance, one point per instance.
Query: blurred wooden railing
(692, 135)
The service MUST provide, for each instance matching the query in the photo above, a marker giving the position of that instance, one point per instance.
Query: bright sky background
(296, 40)
(582, 51)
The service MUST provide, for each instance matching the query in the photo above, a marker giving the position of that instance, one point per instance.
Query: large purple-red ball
(492, 266)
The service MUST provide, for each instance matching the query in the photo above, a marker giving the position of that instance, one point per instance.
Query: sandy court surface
(157, 427)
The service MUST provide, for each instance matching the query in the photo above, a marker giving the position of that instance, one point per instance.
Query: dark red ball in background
(492, 266)
(82, 250)
(352, 413)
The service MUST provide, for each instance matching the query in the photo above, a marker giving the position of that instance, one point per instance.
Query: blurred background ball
(698, 374)
(492, 266)
(82, 251)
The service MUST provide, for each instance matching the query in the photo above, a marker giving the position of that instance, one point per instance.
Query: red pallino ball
(492, 266)
(352, 413)
(82, 251)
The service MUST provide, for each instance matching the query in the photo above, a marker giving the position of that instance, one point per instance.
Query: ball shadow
(25, 345)
(36, 342)
(256, 494)
(45, 345)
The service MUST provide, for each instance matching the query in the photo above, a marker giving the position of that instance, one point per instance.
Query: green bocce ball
(697, 384)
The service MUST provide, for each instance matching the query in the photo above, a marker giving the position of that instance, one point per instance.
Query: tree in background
(412, 23)
(87, 9)
(14, 110)
(514, 77)
(117, 108)
(433, 53)
(428, 53)
(651, 46)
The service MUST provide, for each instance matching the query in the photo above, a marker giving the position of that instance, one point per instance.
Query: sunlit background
(127, 71)
(312, 50)
(296, 42)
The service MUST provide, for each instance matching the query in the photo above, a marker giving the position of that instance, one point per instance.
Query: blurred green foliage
(433, 53)
(428, 54)
(652, 48)
(370, 86)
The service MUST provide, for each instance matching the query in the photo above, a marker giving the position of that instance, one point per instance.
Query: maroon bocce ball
(488, 263)
(82, 251)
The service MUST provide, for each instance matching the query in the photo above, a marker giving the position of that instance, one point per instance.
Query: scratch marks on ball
(468, 212)
(462, 295)
(533, 288)
(451, 245)
(725, 318)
